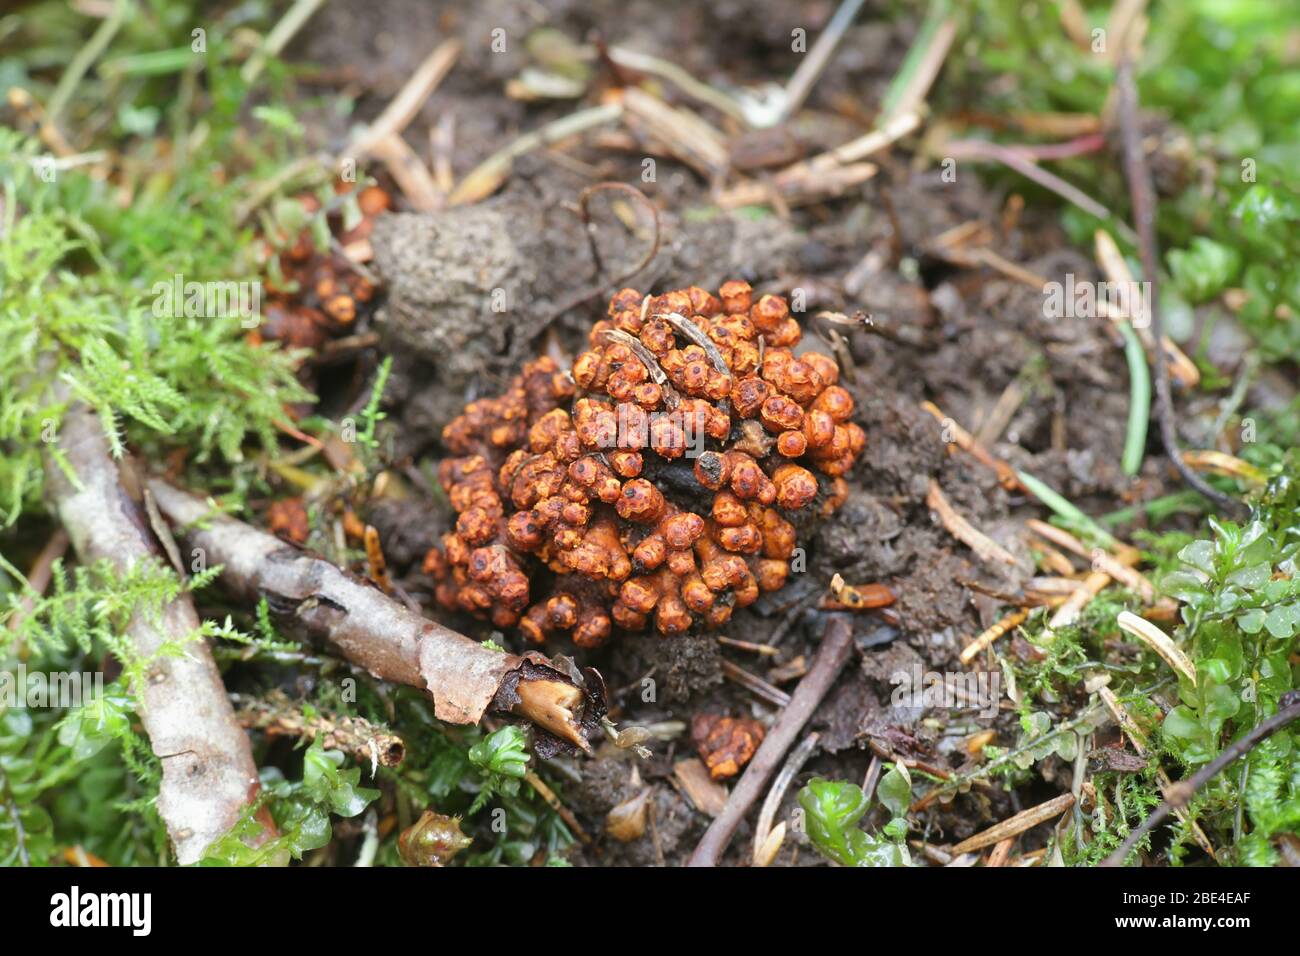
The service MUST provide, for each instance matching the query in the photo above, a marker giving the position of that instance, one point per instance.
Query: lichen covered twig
(277, 716)
(208, 774)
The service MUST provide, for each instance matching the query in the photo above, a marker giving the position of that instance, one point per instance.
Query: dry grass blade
(1100, 559)
(767, 841)
(554, 802)
(403, 107)
(967, 443)
(961, 529)
(1158, 641)
(985, 640)
(828, 174)
(1088, 589)
(1221, 463)
(673, 73)
(1117, 272)
(409, 172)
(488, 176)
(1022, 821)
(683, 133)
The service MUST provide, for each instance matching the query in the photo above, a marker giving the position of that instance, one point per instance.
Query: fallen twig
(755, 685)
(208, 774)
(465, 678)
(763, 650)
(1180, 794)
(832, 653)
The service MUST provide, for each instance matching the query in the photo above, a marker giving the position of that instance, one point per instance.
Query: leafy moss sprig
(301, 811)
(833, 808)
(502, 758)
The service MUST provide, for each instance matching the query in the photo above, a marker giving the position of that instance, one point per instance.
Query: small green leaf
(1200, 555)
(1281, 621)
(894, 792)
(1251, 621)
(832, 810)
(1252, 577)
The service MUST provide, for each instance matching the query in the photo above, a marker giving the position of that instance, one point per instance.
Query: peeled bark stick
(832, 653)
(372, 630)
(208, 774)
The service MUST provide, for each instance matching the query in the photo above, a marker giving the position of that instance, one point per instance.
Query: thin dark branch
(1181, 793)
(1144, 216)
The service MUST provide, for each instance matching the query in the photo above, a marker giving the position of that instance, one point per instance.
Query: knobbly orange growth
(655, 481)
(318, 294)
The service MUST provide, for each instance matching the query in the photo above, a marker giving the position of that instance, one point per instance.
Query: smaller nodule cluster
(656, 481)
(319, 293)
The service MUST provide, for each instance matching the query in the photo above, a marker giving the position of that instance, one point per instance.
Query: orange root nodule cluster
(318, 294)
(655, 482)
